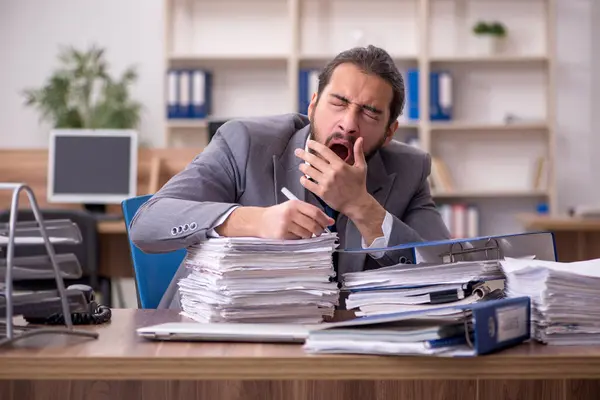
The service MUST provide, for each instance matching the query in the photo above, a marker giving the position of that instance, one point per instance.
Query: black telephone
(93, 314)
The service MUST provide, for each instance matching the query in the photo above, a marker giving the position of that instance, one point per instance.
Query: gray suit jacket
(248, 162)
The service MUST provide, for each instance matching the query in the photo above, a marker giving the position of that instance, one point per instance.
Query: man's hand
(342, 186)
(293, 219)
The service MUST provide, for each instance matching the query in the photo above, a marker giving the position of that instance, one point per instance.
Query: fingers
(312, 159)
(315, 214)
(309, 224)
(324, 152)
(311, 171)
(312, 186)
(299, 231)
(359, 154)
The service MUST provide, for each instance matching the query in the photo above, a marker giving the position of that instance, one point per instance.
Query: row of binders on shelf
(461, 219)
(440, 93)
(189, 93)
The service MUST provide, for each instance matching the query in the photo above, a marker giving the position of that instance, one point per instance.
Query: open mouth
(342, 150)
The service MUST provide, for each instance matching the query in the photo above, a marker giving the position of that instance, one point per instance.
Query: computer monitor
(92, 167)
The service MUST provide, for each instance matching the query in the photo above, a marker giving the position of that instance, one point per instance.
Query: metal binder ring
(452, 254)
(496, 248)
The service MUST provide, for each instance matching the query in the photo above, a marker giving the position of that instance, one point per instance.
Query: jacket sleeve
(421, 222)
(186, 208)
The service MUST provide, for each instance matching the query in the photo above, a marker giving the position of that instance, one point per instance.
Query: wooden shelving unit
(256, 49)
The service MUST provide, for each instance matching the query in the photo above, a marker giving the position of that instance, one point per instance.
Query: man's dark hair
(371, 60)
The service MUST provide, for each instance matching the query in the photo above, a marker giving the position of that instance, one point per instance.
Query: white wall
(594, 147)
(575, 137)
(131, 30)
(32, 30)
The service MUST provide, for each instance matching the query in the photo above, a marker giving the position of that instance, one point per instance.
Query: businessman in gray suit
(340, 161)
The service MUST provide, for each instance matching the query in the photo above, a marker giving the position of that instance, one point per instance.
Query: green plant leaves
(493, 28)
(82, 94)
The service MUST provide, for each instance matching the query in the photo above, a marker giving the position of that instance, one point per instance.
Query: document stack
(565, 298)
(260, 280)
(413, 287)
(455, 331)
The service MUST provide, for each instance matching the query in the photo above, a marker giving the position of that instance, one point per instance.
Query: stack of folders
(413, 287)
(565, 298)
(260, 280)
(463, 330)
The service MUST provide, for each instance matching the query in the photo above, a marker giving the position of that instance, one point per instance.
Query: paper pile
(258, 280)
(412, 287)
(565, 298)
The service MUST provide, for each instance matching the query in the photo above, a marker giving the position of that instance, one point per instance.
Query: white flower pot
(488, 45)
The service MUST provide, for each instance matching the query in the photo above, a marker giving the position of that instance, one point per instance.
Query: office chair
(87, 252)
(153, 272)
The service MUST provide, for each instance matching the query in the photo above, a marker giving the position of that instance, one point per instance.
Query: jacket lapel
(379, 184)
(285, 168)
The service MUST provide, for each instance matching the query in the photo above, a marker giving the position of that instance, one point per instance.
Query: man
(340, 162)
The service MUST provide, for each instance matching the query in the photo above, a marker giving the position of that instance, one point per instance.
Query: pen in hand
(291, 196)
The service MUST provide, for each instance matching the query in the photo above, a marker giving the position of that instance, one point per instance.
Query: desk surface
(559, 223)
(119, 354)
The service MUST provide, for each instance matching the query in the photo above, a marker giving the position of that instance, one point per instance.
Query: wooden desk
(121, 365)
(576, 238)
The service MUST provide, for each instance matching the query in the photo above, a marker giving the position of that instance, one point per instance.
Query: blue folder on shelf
(440, 95)
(308, 82)
(490, 326)
(542, 245)
(188, 93)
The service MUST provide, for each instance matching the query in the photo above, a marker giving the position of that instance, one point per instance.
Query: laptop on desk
(226, 332)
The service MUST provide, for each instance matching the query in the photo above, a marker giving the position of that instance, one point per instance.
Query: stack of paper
(258, 280)
(410, 287)
(565, 298)
(456, 330)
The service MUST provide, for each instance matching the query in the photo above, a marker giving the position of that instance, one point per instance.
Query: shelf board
(408, 125)
(327, 57)
(469, 194)
(513, 59)
(482, 126)
(188, 123)
(198, 58)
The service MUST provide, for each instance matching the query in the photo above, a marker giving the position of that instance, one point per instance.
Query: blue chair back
(153, 272)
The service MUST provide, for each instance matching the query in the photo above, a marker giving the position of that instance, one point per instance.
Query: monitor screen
(97, 167)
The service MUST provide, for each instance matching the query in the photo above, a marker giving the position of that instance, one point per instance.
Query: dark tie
(332, 214)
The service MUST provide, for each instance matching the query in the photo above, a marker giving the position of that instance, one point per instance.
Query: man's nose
(349, 124)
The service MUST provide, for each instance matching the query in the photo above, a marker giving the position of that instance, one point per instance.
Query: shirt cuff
(213, 233)
(381, 241)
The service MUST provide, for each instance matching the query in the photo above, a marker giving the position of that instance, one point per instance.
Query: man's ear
(312, 104)
(390, 132)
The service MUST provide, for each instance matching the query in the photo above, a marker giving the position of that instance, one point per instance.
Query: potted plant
(491, 37)
(81, 94)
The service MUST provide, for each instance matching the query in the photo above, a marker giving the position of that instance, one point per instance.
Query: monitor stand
(99, 212)
(96, 209)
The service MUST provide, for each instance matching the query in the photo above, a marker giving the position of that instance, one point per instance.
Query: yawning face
(342, 145)
(353, 104)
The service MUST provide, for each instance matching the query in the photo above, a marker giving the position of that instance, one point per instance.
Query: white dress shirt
(379, 242)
